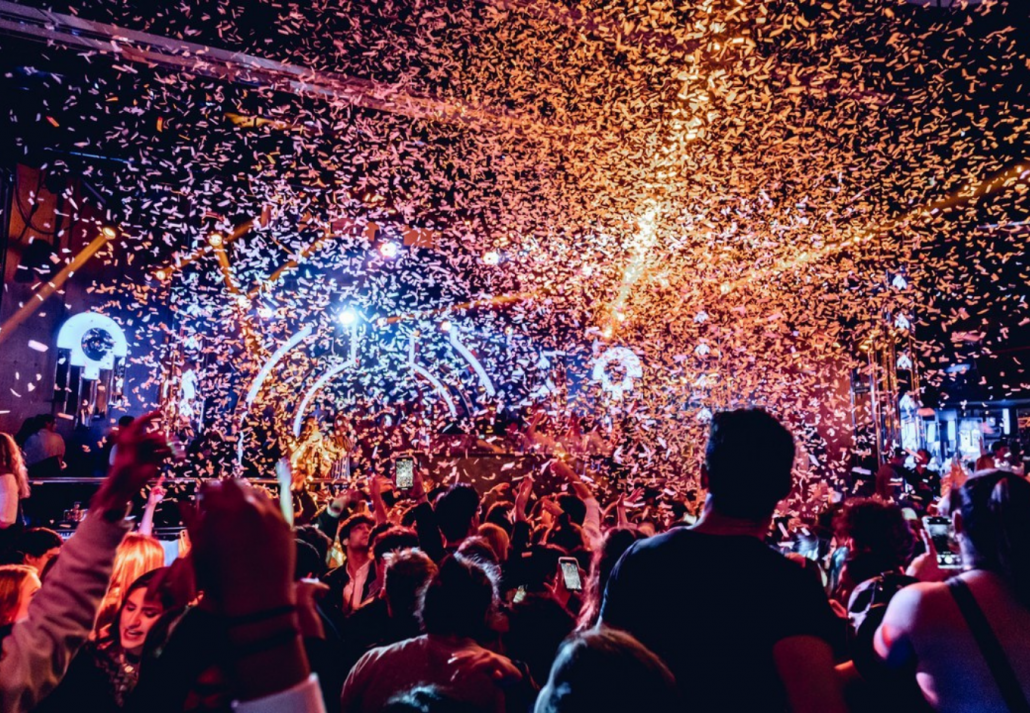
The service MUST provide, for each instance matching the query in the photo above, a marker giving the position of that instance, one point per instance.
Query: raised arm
(37, 652)
(157, 493)
(375, 488)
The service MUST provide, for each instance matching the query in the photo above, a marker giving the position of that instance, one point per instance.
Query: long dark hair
(114, 634)
(995, 511)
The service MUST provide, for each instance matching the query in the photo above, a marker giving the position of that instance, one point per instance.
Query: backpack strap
(990, 647)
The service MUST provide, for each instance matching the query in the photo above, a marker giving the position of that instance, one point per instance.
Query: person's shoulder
(660, 547)
(917, 607)
(920, 598)
(672, 538)
(375, 655)
(774, 565)
(922, 594)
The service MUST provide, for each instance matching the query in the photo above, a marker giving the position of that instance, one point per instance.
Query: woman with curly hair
(878, 540)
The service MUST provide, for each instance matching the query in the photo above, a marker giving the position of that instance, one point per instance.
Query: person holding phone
(404, 472)
(968, 639)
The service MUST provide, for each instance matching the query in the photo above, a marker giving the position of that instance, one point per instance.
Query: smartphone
(940, 532)
(520, 594)
(570, 573)
(404, 473)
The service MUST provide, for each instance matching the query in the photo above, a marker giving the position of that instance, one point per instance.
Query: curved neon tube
(437, 386)
(473, 362)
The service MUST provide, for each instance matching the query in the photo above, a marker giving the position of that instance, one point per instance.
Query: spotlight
(445, 326)
(491, 257)
(109, 232)
(265, 312)
(215, 240)
(389, 250)
(161, 275)
(348, 317)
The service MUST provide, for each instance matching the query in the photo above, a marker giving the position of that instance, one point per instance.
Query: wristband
(258, 616)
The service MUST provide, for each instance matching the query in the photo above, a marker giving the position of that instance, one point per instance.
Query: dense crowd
(434, 596)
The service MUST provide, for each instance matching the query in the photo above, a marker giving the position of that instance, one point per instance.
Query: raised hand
(243, 550)
(157, 493)
(137, 458)
(525, 492)
(244, 555)
(418, 486)
(925, 567)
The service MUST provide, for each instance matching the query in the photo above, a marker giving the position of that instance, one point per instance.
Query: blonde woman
(18, 584)
(136, 555)
(14, 487)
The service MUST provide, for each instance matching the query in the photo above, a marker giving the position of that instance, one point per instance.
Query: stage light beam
(389, 249)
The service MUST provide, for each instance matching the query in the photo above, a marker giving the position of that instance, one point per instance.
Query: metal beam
(130, 46)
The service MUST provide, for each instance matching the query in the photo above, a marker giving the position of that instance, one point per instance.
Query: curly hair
(875, 528)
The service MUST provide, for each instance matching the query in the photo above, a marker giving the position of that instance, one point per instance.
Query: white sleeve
(305, 697)
(38, 650)
(8, 499)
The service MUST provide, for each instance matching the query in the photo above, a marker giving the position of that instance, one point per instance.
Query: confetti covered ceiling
(751, 196)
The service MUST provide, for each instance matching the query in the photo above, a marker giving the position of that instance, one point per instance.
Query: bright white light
(445, 326)
(389, 250)
(491, 257)
(265, 312)
(348, 317)
(215, 240)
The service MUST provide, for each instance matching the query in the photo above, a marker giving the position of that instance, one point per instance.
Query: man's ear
(704, 477)
(345, 542)
(956, 522)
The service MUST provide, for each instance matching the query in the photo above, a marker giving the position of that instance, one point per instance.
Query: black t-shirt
(712, 607)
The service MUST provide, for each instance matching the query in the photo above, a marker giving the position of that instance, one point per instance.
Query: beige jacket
(38, 650)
